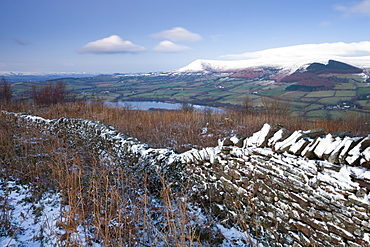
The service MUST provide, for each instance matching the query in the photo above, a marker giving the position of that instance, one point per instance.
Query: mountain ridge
(285, 65)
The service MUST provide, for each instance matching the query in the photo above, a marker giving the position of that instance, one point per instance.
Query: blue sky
(108, 36)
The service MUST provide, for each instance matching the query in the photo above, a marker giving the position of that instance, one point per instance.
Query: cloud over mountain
(362, 8)
(322, 50)
(170, 47)
(109, 45)
(178, 34)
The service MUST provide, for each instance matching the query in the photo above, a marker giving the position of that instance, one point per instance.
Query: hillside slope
(290, 64)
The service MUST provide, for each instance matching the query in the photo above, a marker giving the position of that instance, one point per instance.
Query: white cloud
(168, 46)
(324, 50)
(362, 8)
(178, 34)
(112, 44)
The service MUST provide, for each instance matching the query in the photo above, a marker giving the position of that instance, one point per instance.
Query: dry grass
(182, 130)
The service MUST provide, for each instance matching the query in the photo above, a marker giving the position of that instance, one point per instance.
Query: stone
(284, 145)
(314, 133)
(317, 224)
(354, 155)
(353, 244)
(240, 142)
(308, 152)
(225, 142)
(342, 134)
(323, 236)
(299, 146)
(324, 143)
(361, 193)
(340, 231)
(328, 151)
(365, 158)
(338, 240)
(234, 174)
(280, 135)
(351, 142)
(302, 227)
(334, 155)
(260, 138)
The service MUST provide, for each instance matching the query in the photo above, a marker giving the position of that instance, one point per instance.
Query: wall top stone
(313, 144)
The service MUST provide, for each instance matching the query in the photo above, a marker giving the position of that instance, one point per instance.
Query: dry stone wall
(108, 144)
(289, 189)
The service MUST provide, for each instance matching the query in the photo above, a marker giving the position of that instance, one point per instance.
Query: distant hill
(310, 79)
(306, 75)
(288, 66)
(333, 67)
(27, 76)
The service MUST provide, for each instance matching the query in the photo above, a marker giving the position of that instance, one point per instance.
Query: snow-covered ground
(27, 220)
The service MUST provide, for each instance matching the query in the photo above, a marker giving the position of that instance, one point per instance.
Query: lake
(147, 105)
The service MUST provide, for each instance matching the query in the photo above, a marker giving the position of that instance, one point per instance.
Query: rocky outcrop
(304, 188)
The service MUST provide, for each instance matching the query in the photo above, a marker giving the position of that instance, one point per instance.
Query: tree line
(50, 94)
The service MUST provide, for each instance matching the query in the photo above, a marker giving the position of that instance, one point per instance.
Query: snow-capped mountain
(289, 66)
(288, 58)
(17, 73)
(37, 76)
(200, 65)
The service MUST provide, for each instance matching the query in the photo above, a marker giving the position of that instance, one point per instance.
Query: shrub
(50, 94)
(5, 91)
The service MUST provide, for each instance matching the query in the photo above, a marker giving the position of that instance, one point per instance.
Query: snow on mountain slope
(289, 58)
(289, 65)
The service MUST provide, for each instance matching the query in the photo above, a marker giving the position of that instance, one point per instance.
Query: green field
(345, 86)
(346, 93)
(331, 100)
(319, 94)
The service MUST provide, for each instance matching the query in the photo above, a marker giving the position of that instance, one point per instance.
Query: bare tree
(50, 94)
(247, 104)
(275, 106)
(5, 91)
(187, 107)
(59, 93)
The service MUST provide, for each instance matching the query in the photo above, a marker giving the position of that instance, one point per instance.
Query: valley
(313, 144)
(349, 93)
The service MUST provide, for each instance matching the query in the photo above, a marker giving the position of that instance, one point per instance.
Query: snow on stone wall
(297, 189)
(109, 145)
